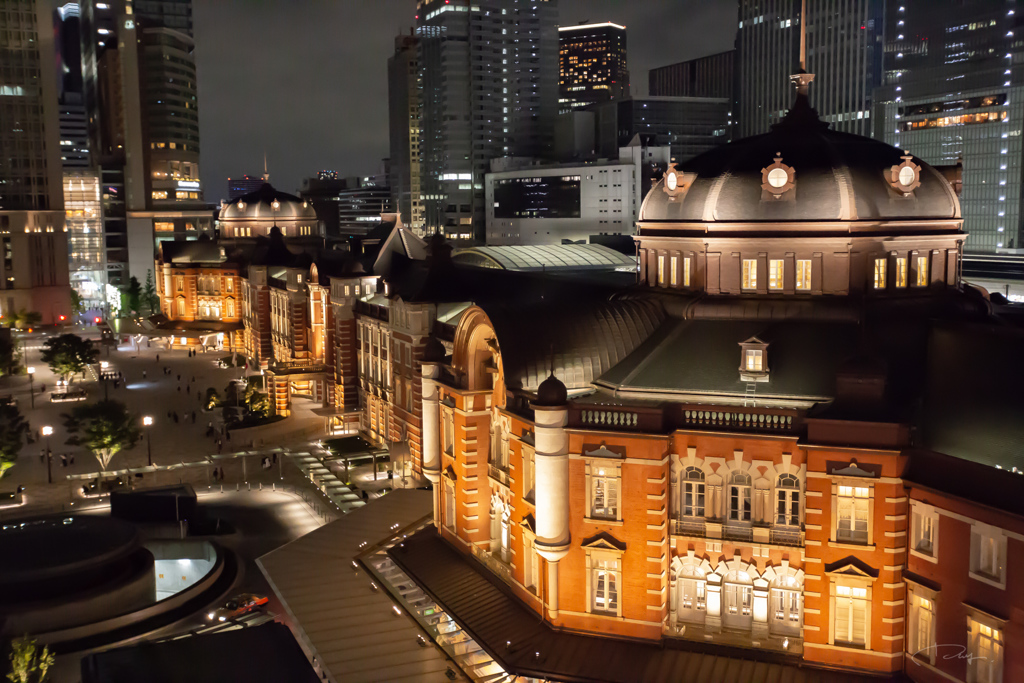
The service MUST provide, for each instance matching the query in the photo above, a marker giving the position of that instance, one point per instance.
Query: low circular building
(254, 214)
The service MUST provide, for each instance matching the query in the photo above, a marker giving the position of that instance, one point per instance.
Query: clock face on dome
(907, 176)
(778, 177)
(671, 181)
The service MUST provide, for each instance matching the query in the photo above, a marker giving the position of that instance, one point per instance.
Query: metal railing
(498, 474)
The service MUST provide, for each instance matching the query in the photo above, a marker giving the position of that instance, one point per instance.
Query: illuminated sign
(129, 24)
(189, 184)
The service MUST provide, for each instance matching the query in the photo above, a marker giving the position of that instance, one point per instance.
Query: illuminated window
(181, 195)
(901, 272)
(985, 652)
(163, 226)
(674, 271)
(922, 627)
(851, 615)
(739, 497)
(753, 360)
(159, 194)
(988, 554)
(788, 500)
(604, 490)
(922, 271)
(230, 284)
(661, 270)
(924, 522)
(749, 274)
(879, 273)
(775, 271)
(693, 493)
(229, 308)
(181, 307)
(852, 507)
(686, 272)
(180, 283)
(803, 274)
(605, 577)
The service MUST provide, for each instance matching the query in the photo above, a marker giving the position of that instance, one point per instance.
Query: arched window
(691, 587)
(737, 600)
(693, 492)
(787, 500)
(786, 605)
(739, 497)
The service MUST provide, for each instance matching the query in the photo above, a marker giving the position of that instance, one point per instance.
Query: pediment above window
(604, 541)
(603, 451)
(853, 470)
(529, 523)
(851, 567)
(449, 473)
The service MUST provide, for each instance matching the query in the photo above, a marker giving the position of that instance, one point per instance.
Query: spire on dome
(801, 113)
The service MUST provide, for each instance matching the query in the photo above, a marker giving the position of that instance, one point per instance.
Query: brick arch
(472, 352)
(689, 560)
(737, 564)
(773, 572)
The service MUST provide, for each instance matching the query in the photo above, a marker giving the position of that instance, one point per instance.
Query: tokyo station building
(794, 439)
(782, 442)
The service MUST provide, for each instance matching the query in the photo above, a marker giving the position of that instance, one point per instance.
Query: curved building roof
(835, 176)
(268, 205)
(545, 257)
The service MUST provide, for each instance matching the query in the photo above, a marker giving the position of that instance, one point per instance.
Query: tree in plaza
(9, 355)
(23, 319)
(105, 428)
(29, 664)
(212, 399)
(77, 303)
(131, 298)
(68, 354)
(149, 296)
(12, 436)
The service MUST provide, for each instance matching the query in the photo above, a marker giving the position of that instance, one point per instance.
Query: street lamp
(31, 388)
(147, 422)
(47, 431)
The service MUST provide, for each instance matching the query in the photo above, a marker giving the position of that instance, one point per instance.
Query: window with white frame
(749, 273)
(604, 492)
(803, 275)
(181, 307)
(988, 554)
(850, 615)
(529, 472)
(529, 562)
(985, 650)
(693, 492)
(753, 360)
(901, 271)
(776, 269)
(787, 507)
(739, 497)
(737, 599)
(880, 273)
(661, 270)
(448, 431)
(691, 587)
(673, 271)
(922, 271)
(786, 605)
(605, 576)
(449, 505)
(924, 528)
(921, 627)
(686, 272)
(852, 509)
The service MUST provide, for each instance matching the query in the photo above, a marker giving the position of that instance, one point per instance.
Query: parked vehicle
(237, 606)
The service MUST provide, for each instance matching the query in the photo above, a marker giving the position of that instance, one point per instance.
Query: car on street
(237, 606)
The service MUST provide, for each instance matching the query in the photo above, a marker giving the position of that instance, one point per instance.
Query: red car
(237, 606)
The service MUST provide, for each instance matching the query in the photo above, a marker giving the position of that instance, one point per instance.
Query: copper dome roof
(835, 177)
(268, 204)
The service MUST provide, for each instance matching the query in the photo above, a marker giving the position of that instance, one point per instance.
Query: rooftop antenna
(266, 175)
(801, 79)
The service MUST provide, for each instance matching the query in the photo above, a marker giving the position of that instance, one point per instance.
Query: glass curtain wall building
(489, 71)
(844, 52)
(954, 93)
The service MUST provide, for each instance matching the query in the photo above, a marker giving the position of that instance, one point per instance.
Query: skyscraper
(87, 263)
(955, 91)
(591, 65)
(489, 72)
(140, 87)
(34, 263)
(844, 51)
(710, 76)
(404, 126)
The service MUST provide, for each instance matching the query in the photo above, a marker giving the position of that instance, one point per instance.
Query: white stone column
(551, 460)
(431, 436)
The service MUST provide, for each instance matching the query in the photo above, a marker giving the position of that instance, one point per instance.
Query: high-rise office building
(844, 51)
(710, 76)
(489, 72)
(87, 263)
(34, 263)
(592, 65)
(955, 92)
(362, 201)
(404, 112)
(244, 185)
(688, 125)
(140, 92)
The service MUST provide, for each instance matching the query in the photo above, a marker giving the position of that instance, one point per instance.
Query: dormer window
(753, 360)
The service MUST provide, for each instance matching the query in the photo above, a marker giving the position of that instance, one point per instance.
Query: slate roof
(546, 257)
(487, 611)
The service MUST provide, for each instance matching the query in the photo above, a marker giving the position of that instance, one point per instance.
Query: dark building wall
(710, 76)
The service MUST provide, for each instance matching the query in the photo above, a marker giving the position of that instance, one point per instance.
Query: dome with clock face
(255, 213)
(801, 171)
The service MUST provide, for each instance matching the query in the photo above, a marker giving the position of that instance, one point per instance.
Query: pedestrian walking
(158, 355)
(63, 460)
(179, 388)
(220, 445)
(71, 459)
(275, 457)
(143, 374)
(175, 417)
(42, 455)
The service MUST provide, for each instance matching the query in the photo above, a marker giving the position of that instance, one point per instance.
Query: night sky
(306, 80)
